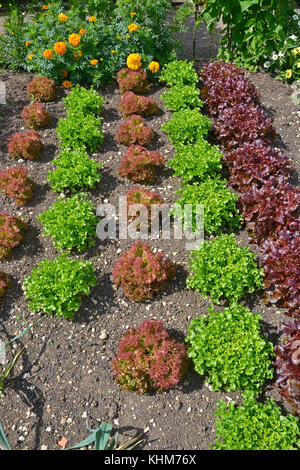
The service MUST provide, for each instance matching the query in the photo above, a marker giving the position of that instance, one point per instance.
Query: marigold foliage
(224, 270)
(15, 183)
(5, 283)
(142, 273)
(134, 104)
(196, 162)
(35, 116)
(179, 72)
(71, 223)
(57, 286)
(255, 426)
(133, 80)
(74, 171)
(139, 164)
(27, 146)
(149, 360)
(41, 89)
(187, 126)
(12, 232)
(134, 131)
(229, 348)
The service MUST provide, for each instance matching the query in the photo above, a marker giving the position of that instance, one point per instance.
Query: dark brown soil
(64, 373)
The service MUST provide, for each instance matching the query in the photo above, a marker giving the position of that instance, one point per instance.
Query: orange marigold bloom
(94, 62)
(62, 17)
(60, 48)
(92, 19)
(67, 84)
(48, 54)
(134, 61)
(82, 31)
(45, 7)
(65, 73)
(74, 39)
(132, 14)
(113, 51)
(133, 27)
(78, 54)
(153, 67)
(128, 36)
(27, 43)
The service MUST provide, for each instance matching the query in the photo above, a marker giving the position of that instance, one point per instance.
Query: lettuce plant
(57, 286)
(27, 146)
(255, 426)
(134, 104)
(74, 171)
(228, 348)
(150, 200)
(142, 273)
(15, 183)
(182, 97)
(133, 80)
(134, 131)
(5, 283)
(224, 270)
(71, 223)
(139, 164)
(149, 360)
(187, 126)
(86, 101)
(196, 162)
(179, 72)
(287, 364)
(35, 116)
(12, 232)
(80, 130)
(41, 89)
(219, 204)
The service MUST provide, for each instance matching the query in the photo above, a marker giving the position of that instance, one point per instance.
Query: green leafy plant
(5, 374)
(71, 223)
(57, 286)
(187, 126)
(229, 348)
(196, 162)
(74, 171)
(219, 205)
(85, 101)
(255, 426)
(79, 129)
(182, 97)
(222, 269)
(179, 72)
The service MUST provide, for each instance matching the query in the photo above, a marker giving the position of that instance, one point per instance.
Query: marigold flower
(30, 56)
(45, 7)
(288, 73)
(132, 14)
(134, 61)
(133, 27)
(74, 39)
(78, 54)
(154, 67)
(27, 43)
(92, 19)
(82, 31)
(128, 36)
(62, 17)
(65, 73)
(60, 48)
(67, 84)
(94, 62)
(113, 51)
(48, 54)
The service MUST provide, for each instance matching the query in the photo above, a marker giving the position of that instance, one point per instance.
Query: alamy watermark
(160, 221)
(2, 92)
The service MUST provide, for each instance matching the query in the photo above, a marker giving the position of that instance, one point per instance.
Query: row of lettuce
(236, 356)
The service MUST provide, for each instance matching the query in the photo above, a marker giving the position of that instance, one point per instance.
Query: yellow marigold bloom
(94, 62)
(113, 51)
(60, 48)
(48, 54)
(132, 27)
(27, 43)
(134, 61)
(30, 56)
(101, 59)
(82, 31)
(65, 73)
(132, 14)
(45, 7)
(128, 36)
(62, 17)
(288, 73)
(67, 84)
(74, 39)
(154, 67)
(92, 19)
(78, 54)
